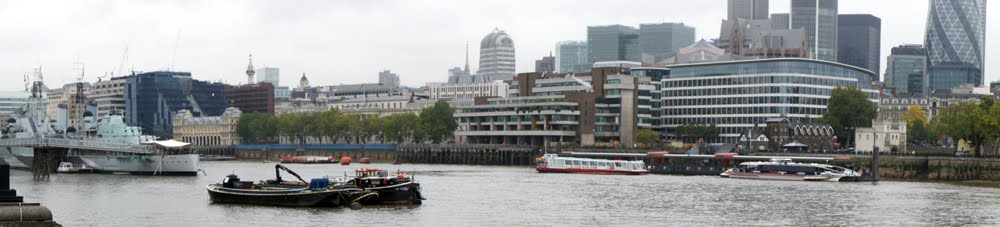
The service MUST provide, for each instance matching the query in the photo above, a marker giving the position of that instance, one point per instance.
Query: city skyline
(331, 46)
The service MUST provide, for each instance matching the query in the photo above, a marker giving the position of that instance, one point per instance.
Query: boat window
(577, 163)
(603, 165)
(569, 163)
(618, 164)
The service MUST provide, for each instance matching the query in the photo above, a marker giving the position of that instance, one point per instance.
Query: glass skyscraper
(906, 70)
(819, 19)
(571, 56)
(612, 43)
(664, 39)
(955, 37)
(859, 42)
(747, 9)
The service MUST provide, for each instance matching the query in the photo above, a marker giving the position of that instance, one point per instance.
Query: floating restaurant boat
(552, 163)
(278, 192)
(785, 169)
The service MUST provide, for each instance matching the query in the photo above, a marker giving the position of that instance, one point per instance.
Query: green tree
(970, 122)
(691, 132)
(847, 109)
(437, 122)
(917, 132)
(647, 137)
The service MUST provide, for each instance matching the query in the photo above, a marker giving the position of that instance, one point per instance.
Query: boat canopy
(170, 143)
(795, 144)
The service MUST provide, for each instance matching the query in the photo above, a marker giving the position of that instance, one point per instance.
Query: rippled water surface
(504, 196)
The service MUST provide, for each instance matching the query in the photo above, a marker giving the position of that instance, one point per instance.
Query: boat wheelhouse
(552, 163)
(785, 169)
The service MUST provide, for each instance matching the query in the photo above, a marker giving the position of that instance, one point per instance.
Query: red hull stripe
(590, 171)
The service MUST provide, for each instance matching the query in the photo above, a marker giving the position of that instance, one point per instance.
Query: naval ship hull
(177, 165)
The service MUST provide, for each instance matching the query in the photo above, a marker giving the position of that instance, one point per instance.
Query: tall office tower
(858, 44)
(496, 56)
(780, 21)
(612, 43)
(388, 78)
(819, 19)
(955, 37)
(661, 41)
(269, 75)
(571, 56)
(546, 64)
(747, 9)
(906, 70)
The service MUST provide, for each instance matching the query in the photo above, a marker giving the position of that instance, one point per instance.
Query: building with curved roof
(496, 56)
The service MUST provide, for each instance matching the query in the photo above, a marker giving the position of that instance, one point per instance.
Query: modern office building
(109, 96)
(819, 19)
(955, 38)
(269, 75)
(906, 70)
(13, 101)
(612, 43)
(781, 21)
(496, 56)
(602, 107)
(546, 64)
(207, 131)
(251, 98)
(662, 40)
(73, 98)
(747, 9)
(737, 95)
(859, 42)
(152, 100)
(571, 56)
(388, 78)
(467, 91)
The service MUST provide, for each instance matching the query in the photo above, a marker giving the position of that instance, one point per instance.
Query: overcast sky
(341, 42)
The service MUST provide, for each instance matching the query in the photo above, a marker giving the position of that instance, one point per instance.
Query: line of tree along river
(433, 124)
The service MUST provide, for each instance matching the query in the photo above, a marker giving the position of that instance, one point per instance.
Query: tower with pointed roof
(250, 71)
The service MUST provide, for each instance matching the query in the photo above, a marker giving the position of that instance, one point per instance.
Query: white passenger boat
(785, 169)
(552, 163)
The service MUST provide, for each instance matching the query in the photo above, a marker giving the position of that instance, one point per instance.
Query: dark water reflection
(480, 195)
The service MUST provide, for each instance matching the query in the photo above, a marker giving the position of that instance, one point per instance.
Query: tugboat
(399, 189)
(278, 192)
(552, 163)
(785, 169)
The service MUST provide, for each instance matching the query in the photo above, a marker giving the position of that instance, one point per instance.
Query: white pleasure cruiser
(785, 169)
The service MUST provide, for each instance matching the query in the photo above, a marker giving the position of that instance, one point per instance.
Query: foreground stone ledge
(25, 214)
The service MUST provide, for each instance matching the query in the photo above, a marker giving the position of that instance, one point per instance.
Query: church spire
(467, 58)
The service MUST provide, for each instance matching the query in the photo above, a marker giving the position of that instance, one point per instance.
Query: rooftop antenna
(121, 64)
(176, 43)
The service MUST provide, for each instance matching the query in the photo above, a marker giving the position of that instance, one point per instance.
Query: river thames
(504, 196)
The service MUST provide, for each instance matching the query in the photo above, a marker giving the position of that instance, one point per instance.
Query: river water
(503, 196)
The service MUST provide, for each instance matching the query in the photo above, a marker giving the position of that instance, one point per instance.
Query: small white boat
(552, 163)
(785, 169)
(68, 167)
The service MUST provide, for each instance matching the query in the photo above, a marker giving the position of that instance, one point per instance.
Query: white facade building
(496, 56)
(467, 91)
(888, 133)
(207, 131)
(109, 95)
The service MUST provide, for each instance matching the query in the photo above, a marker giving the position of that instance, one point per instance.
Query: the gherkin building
(955, 41)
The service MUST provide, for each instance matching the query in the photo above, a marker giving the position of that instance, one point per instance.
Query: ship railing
(79, 144)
